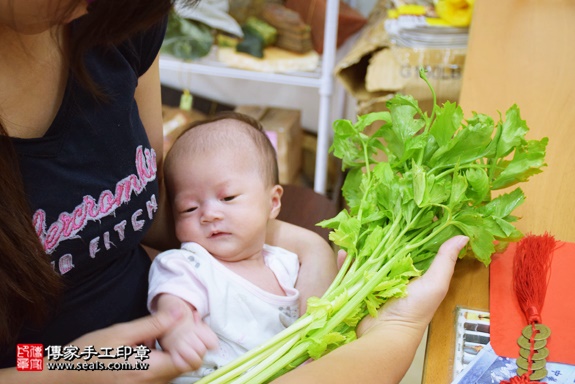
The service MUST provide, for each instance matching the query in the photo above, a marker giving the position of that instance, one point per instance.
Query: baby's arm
(189, 340)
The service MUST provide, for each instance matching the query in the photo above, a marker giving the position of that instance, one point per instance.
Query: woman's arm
(161, 235)
(317, 259)
(386, 345)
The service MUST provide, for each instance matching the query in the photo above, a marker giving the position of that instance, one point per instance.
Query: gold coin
(538, 355)
(536, 365)
(524, 343)
(544, 332)
(536, 375)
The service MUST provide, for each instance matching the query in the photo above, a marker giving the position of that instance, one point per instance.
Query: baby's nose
(211, 213)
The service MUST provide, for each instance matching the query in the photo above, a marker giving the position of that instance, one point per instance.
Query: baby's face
(221, 202)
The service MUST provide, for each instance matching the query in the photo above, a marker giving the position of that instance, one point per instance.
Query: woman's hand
(161, 368)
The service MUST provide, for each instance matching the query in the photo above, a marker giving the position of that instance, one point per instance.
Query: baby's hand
(189, 340)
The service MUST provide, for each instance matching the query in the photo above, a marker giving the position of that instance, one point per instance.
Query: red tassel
(523, 379)
(531, 274)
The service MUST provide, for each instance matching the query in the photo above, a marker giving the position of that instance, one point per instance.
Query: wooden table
(522, 52)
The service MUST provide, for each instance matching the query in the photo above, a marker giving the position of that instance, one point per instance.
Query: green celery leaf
(339, 301)
(367, 120)
(458, 188)
(527, 161)
(317, 348)
(403, 266)
(387, 192)
(419, 178)
(447, 121)
(470, 143)
(440, 237)
(319, 309)
(392, 140)
(391, 287)
(513, 131)
(478, 184)
(346, 234)
(370, 206)
(480, 238)
(335, 221)
(405, 125)
(350, 142)
(503, 205)
(351, 189)
(355, 317)
(373, 239)
(345, 144)
(430, 148)
(423, 260)
(413, 146)
(403, 109)
(511, 233)
(440, 191)
(501, 229)
(424, 220)
(372, 304)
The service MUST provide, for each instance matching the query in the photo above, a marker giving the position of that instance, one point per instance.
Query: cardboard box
(283, 127)
(375, 69)
(397, 69)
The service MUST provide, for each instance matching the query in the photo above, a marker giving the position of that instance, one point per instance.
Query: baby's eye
(191, 209)
(229, 198)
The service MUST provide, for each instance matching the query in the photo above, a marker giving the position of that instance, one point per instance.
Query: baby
(222, 180)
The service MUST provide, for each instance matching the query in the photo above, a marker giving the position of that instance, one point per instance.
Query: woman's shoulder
(141, 49)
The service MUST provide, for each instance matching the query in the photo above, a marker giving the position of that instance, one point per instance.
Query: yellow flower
(411, 9)
(456, 13)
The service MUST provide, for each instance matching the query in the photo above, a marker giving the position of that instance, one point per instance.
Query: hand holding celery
(435, 183)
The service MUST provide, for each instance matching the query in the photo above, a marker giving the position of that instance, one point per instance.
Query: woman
(80, 159)
(80, 102)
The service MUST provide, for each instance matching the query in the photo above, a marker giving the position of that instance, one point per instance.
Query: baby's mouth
(216, 234)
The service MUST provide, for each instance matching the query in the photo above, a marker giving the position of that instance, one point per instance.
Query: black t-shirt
(91, 184)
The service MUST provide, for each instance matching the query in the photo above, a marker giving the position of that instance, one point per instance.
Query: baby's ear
(276, 202)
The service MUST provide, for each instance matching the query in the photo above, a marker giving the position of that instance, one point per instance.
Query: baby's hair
(253, 130)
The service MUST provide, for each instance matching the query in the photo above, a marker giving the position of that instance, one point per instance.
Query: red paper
(507, 319)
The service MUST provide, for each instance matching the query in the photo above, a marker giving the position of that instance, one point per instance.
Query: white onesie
(239, 312)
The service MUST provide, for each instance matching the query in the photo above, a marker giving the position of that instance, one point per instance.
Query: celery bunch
(435, 183)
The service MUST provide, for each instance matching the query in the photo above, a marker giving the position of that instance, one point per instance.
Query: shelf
(212, 67)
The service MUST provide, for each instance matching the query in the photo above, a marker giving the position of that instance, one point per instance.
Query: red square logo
(29, 357)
